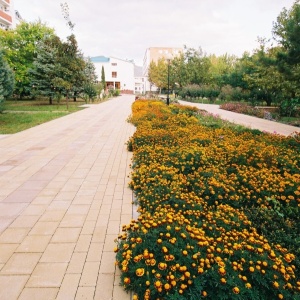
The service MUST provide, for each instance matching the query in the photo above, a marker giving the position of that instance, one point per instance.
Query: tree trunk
(50, 100)
(268, 101)
(67, 100)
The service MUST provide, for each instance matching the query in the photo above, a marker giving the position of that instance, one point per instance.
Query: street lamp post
(168, 92)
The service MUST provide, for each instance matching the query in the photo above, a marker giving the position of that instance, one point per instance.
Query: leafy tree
(221, 66)
(20, 51)
(90, 85)
(197, 66)
(158, 73)
(70, 66)
(179, 72)
(6, 81)
(286, 31)
(264, 79)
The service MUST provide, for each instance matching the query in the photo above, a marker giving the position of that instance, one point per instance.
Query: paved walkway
(248, 121)
(63, 197)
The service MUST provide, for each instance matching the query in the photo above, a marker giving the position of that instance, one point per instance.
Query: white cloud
(126, 28)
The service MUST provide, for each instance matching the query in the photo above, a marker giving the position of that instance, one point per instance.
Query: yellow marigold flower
(248, 285)
(223, 280)
(140, 272)
(222, 271)
(236, 290)
(187, 274)
(276, 284)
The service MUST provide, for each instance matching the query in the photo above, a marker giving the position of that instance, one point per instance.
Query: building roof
(100, 59)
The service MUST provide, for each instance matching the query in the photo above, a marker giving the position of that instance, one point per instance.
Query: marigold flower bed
(197, 188)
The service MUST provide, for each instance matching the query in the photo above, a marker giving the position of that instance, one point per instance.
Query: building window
(114, 74)
(113, 64)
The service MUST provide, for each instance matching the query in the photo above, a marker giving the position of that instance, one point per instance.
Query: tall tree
(20, 51)
(43, 70)
(69, 68)
(265, 81)
(179, 73)
(286, 31)
(90, 82)
(103, 82)
(6, 81)
(158, 73)
(197, 64)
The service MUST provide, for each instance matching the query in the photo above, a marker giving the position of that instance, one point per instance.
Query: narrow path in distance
(248, 121)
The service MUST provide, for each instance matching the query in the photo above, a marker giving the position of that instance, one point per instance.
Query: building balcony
(5, 2)
(5, 18)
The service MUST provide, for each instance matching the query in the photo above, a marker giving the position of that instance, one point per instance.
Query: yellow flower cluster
(192, 235)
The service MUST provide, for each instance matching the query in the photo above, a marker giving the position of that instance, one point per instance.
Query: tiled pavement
(63, 197)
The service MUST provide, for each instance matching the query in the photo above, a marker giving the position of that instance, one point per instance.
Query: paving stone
(12, 286)
(69, 287)
(21, 263)
(47, 275)
(58, 253)
(39, 293)
(34, 243)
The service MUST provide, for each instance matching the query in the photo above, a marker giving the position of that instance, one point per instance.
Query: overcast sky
(126, 28)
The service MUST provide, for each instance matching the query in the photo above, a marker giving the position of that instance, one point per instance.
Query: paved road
(63, 196)
(248, 121)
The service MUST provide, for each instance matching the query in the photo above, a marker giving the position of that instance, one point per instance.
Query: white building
(6, 14)
(153, 54)
(119, 73)
(9, 18)
(139, 81)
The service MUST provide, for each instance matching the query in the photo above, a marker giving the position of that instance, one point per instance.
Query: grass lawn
(42, 105)
(15, 122)
(23, 114)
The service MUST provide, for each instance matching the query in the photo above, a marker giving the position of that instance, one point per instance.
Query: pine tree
(103, 78)
(43, 70)
(7, 81)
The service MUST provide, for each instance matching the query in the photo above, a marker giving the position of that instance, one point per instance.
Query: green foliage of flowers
(203, 193)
